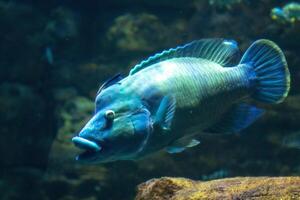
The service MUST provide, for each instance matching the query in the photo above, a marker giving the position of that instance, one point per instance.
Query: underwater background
(54, 55)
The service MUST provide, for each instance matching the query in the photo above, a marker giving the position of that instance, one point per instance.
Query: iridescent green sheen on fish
(169, 99)
(180, 77)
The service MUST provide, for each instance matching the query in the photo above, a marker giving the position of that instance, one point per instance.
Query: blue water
(54, 55)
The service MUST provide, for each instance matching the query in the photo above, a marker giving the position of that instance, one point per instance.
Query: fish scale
(170, 98)
(190, 80)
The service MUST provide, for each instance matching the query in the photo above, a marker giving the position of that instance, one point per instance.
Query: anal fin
(239, 117)
(181, 144)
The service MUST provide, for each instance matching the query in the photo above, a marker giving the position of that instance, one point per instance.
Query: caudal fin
(272, 74)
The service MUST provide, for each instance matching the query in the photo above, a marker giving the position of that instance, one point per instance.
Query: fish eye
(110, 114)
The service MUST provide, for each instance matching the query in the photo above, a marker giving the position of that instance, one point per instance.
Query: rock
(21, 106)
(17, 63)
(63, 24)
(129, 32)
(224, 3)
(66, 177)
(143, 32)
(72, 115)
(230, 188)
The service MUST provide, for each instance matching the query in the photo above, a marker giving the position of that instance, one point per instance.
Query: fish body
(222, 173)
(170, 98)
(289, 13)
(49, 55)
(197, 99)
(292, 141)
(292, 10)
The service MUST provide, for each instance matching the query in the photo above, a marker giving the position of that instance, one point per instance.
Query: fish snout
(86, 144)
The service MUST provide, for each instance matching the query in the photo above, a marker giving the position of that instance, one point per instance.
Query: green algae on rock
(258, 188)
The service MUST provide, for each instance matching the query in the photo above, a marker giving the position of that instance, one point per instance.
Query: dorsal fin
(110, 82)
(222, 51)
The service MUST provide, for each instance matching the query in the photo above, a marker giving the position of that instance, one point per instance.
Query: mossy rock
(257, 188)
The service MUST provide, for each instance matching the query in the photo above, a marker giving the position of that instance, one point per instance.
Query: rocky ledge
(257, 188)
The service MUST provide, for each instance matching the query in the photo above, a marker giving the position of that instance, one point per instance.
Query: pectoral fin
(165, 112)
(181, 144)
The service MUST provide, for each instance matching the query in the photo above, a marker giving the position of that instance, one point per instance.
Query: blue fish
(292, 141)
(49, 55)
(288, 13)
(169, 99)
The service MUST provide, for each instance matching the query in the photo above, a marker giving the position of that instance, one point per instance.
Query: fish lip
(90, 148)
(86, 144)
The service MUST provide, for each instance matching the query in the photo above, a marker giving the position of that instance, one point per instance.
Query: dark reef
(55, 54)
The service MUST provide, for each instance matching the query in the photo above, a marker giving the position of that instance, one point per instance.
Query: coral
(136, 32)
(259, 188)
(143, 32)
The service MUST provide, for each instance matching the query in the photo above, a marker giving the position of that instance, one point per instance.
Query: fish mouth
(90, 148)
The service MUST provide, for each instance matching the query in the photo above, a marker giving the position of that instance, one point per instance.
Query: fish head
(118, 130)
